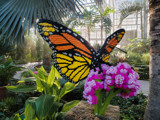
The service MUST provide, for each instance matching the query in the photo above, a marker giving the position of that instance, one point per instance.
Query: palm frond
(3, 2)
(98, 2)
(107, 24)
(17, 16)
(129, 7)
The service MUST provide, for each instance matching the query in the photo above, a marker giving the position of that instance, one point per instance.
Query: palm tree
(103, 18)
(89, 18)
(86, 19)
(130, 7)
(153, 107)
(17, 16)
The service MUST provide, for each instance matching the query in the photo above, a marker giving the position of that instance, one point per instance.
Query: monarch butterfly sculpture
(73, 56)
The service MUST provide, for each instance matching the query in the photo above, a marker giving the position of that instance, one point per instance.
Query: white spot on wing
(70, 55)
(50, 42)
(65, 53)
(74, 34)
(50, 33)
(77, 54)
(55, 26)
(82, 40)
(68, 31)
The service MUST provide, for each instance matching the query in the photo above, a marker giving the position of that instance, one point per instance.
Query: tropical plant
(89, 18)
(103, 19)
(8, 105)
(18, 15)
(129, 7)
(137, 45)
(139, 61)
(135, 6)
(7, 69)
(6, 48)
(49, 105)
(84, 19)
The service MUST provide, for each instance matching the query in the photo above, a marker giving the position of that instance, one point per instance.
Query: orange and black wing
(110, 44)
(72, 54)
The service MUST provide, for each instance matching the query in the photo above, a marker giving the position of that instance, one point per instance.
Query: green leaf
(16, 117)
(43, 105)
(21, 88)
(57, 84)
(13, 13)
(28, 79)
(55, 91)
(69, 105)
(42, 73)
(67, 88)
(45, 87)
(38, 81)
(54, 109)
(51, 76)
(2, 114)
(30, 108)
(58, 76)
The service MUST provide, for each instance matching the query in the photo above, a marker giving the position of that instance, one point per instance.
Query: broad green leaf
(16, 117)
(51, 77)
(21, 88)
(2, 114)
(28, 79)
(42, 73)
(54, 109)
(38, 81)
(39, 85)
(67, 88)
(57, 84)
(46, 88)
(43, 105)
(30, 108)
(55, 91)
(58, 76)
(69, 105)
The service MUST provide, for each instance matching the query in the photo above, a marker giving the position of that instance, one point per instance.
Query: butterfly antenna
(121, 50)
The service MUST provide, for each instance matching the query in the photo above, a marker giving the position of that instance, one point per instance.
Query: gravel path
(28, 65)
(144, 87)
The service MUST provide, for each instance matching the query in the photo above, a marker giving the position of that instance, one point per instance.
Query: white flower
(119, 79)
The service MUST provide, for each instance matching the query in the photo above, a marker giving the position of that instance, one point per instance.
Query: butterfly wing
(110, 44)
(72, 54)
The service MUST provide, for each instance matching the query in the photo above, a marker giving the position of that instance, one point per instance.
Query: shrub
(7, 69)
(132, 108)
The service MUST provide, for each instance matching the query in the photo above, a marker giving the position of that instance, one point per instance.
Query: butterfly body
(73, 56)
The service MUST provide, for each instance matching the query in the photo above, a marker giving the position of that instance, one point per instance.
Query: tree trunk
(153, 107)
(88, 31)
(101, 32)
(145, 20)
(142, 23)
